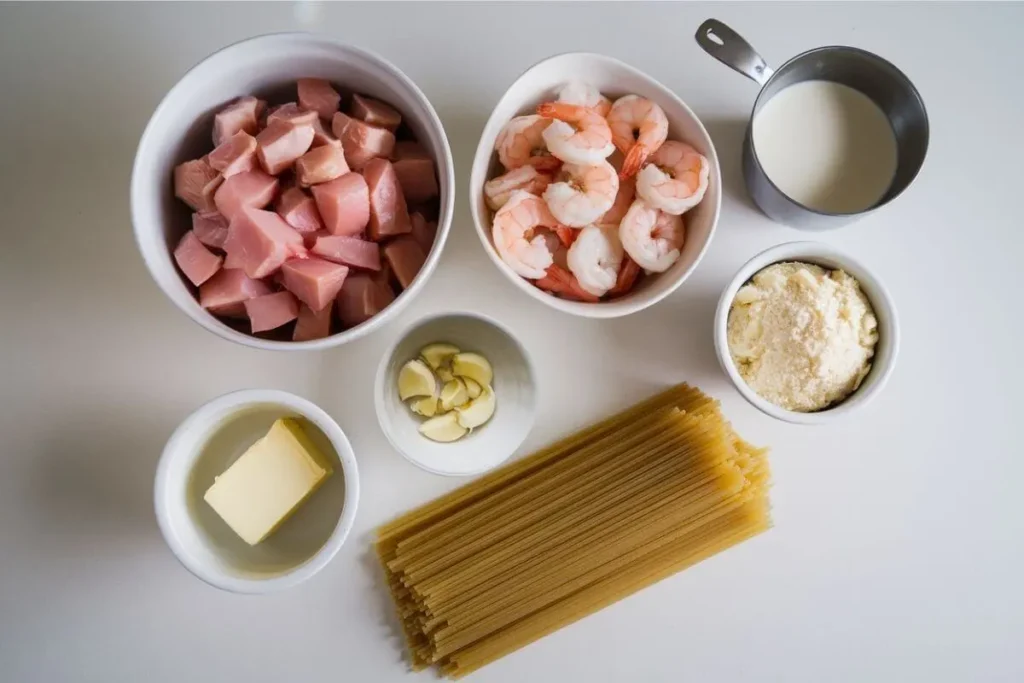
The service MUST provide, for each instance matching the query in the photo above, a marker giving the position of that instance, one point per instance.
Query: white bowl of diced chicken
(594, 188)
(292, 192)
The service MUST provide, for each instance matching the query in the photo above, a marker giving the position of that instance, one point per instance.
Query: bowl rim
(207, 320)
(602, 310)
(380, 377)
(346, 516)
(881, 301)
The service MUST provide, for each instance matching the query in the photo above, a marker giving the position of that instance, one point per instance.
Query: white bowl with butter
(883, 308)
(271, 478)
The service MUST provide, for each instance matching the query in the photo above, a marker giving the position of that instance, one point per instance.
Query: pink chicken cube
(406, 257)
(261, 241)
(389, 214)
(299, 210)
(321, 164)
(344, 204)
(281, 143)
(291, 113)
(348, 251)
(211, 228)
(361, 298)
(197, 262)
(423, 231)
(314, 281)
(223, 293)
(253, 189)
(270, 311)
(312, 324)
(361, 140)
(322, 136)
(318, 95)
(235, 155)
(417, 178)
(242, 114)
(375, 112)
(310, 238)
(195, 183)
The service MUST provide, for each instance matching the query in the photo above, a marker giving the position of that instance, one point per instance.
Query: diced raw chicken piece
(423, 231)
(197, 262)
(361, 140)
(406, 257)
(230, 310)
(344, 204)
(254, 189)
(361, 298)
(409, 149)
(314, 281)
(262, 241)
(310, 238)
(298, 210)
(322, 136)
(195, 183)
(389, 214)
(312, 324)
(228, 288)
(321, 164)
(281, 143)
(291, 113)
(417, 178)
(242, 114)
(348, 251)
(235, 155)
(375, 112)
(211, 228)
(319, 96)
(270, 311)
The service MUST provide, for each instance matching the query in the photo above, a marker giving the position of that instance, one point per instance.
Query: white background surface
(899, 538)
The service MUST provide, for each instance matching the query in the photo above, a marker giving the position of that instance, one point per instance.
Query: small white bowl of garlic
(455, 395)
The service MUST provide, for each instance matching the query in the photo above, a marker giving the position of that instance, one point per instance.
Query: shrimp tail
(566, 234)
(560, 281)
(560, 110)
(628, 274)
(635, 158)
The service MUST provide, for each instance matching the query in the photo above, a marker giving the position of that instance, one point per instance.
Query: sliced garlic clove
(416, 379)
(473, 387)
(444, 428)
(453, 394)
(427, 407)
(474, 366)
(437, 355)
(478, 411)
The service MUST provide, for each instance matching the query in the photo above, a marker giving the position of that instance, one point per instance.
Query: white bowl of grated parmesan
(806, 333)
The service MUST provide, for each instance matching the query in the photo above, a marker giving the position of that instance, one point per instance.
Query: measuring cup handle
(728, 47)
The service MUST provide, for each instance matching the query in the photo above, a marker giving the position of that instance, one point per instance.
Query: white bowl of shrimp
(594, 188)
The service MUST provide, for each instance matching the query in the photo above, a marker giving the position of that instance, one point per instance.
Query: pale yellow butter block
(269, 481)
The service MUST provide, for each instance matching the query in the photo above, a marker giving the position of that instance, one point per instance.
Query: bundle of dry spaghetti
(547, 540)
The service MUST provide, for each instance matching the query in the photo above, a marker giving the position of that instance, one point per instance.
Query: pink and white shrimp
(652, 238)
(582, 193)
(623, 200)
(578, 135)
(498, 190)
(675, 179)
(595, 259)
(521, 143)
(517, 237)
(585, 95)
(639, 127)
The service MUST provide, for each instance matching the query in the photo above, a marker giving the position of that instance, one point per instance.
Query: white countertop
(899, 533)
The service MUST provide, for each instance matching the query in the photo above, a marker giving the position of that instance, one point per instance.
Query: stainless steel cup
(886, 85)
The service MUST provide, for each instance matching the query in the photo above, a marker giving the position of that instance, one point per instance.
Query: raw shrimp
(583, 194)
(595, 258)
(628, 274)
(521, 142)
(586, 95)
(560, 281)
(639, 127)
(676, 178)
(651, 237)
(578, 135)
(516, 235)
(498, 190)
(623, 200)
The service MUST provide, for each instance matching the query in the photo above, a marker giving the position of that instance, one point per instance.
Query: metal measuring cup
(882, 82)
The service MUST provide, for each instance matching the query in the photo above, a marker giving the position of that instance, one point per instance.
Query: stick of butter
(269, 481)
